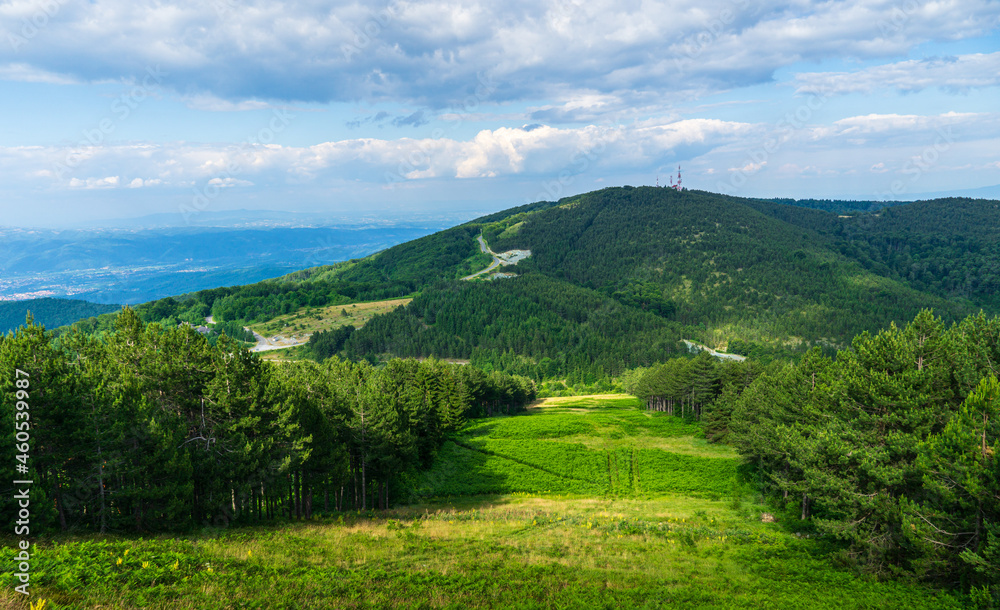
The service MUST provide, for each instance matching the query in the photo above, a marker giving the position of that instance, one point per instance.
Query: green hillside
(617, 276)
(946, 247)
(716, 261)
(48, 312)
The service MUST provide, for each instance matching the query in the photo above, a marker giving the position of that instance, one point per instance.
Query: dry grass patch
(308, 320)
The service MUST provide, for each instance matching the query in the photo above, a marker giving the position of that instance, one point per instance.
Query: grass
(308, 320)
(535, 519)
(586, 445)
(511, 551)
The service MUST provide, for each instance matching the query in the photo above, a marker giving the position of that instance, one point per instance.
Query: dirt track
(512, 257)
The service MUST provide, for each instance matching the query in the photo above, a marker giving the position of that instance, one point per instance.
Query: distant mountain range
(263, 219)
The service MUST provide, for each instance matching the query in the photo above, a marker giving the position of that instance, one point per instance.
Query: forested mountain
(715, 260)
(617, 276)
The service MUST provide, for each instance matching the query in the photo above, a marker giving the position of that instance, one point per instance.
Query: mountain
(617, 277)
(719, 268)
(946, 247)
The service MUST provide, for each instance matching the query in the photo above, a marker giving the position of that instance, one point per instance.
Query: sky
(122, 108)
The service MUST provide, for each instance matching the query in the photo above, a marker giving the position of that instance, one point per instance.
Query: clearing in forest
(602, 446)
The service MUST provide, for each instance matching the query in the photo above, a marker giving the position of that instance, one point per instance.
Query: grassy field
(669, 525)
(311, 319)
(598, 446)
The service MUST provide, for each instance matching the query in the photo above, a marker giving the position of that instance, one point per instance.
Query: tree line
(890, 448)
(702, 388)
(152, 428)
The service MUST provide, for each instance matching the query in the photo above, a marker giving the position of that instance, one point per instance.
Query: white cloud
(874, 123)
(25, 73)
(94, 183)
(868, 147)
(210, 103)
(535, 150)
(958, 74)
(229, 182)
(582, 56)
(749, 168)
(903, 129)
(138, 183)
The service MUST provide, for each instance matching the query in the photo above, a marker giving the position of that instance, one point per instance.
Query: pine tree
(957, 526)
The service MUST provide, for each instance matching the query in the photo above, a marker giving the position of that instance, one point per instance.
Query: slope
(946, 247)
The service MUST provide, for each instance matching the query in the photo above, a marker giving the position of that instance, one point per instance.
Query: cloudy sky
(120, 108)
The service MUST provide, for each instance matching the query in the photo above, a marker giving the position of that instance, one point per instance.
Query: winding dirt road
(511, 257)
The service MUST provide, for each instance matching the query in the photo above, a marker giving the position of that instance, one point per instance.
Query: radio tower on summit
(677, 186)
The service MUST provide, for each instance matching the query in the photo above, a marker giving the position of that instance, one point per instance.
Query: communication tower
(676, 186)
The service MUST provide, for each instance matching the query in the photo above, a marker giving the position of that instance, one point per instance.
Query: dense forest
(152, 428)
(557, 326)
(946, 247)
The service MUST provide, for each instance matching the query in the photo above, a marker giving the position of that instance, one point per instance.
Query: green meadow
(585, 502)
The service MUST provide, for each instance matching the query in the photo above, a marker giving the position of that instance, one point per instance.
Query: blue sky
(116, 108)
